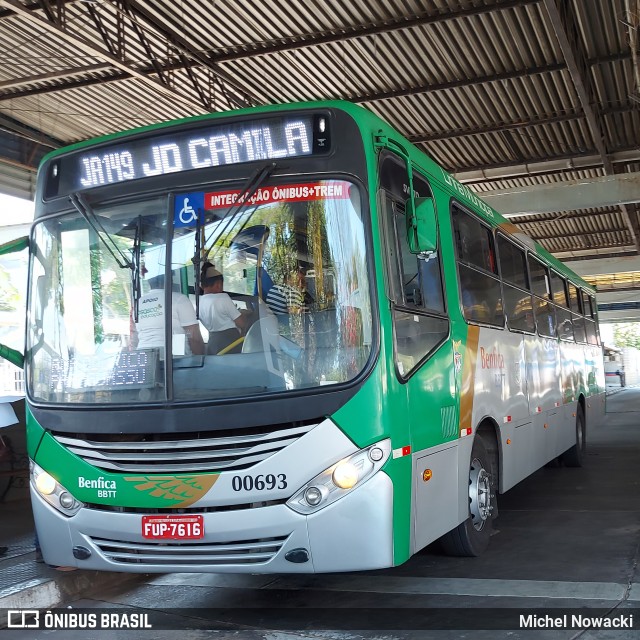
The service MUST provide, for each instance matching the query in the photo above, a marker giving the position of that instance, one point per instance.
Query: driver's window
(420, 324)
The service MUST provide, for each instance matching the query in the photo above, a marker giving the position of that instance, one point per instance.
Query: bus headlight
(53, 492)
(345, 475)
(45, 483)
(340, 478)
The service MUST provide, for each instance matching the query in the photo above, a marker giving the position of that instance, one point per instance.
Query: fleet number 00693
(260, 482)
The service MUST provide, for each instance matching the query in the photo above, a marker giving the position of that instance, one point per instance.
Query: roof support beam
(89, 48)
(566, 32)
(346, 33)
(497, 127)
(115, 49)
(542, 238)
(46, 77)
(564, 162)
(456, 84)
(23, 131)
(605, 266)
(578, 69)
(595, 193)
(574, 114)
(183, 46)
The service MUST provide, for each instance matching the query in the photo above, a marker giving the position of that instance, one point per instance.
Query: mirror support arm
(13, 356)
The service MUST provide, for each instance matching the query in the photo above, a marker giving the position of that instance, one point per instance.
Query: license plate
(185, 527)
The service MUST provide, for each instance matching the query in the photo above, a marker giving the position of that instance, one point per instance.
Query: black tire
(471, 538)
(576, 456)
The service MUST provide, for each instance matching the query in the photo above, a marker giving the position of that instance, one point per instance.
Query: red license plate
(185, 527)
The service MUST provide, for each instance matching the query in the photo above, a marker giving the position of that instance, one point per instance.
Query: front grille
(247, 552)
(182, 510)
(187, 453)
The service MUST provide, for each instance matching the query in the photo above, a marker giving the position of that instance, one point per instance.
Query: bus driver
(218, 314)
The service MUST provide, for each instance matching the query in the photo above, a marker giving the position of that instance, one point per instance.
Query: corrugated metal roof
(503, 93)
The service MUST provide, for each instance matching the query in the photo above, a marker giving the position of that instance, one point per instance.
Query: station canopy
(534, 104)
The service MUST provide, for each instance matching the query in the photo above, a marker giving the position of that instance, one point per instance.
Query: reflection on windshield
(282, 298)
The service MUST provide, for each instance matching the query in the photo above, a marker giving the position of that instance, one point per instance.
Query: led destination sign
(122, 370)
(185, 150)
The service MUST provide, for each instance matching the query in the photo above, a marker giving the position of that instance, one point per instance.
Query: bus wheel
(471, 538)
(575, 456)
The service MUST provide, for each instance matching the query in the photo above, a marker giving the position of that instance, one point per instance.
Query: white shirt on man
(217, 312)
(151, 309)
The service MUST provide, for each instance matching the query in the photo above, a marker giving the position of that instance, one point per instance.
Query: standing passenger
(287, 298)
(148, 332)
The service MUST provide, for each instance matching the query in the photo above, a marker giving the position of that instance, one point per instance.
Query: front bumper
(354, 533)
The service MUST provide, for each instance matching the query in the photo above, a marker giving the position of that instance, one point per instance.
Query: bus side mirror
(421, 225)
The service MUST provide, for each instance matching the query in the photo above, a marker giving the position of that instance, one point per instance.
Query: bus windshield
(294, 265)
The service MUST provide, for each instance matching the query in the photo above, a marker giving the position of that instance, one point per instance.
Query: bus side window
(589, 313)
(518, 305)
(594, 315)
(563, 315)
(480, 289)
(541, 287)
(575, 303)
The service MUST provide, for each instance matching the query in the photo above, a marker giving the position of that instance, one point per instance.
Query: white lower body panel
(354, 533)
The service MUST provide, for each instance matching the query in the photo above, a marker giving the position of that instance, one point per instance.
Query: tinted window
(578, 328)
(584, 302)
(545, 317)
(474, 242)
(590, 321)
(539, 278)
(565, 326)
(518, 308)
(574, 299)
(513, 263)
(480, 289)
(417, 279)
(481, 297)
(416, 336)
(592, 336)
(558, 289)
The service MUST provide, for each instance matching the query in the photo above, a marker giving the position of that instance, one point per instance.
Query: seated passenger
(218, 314)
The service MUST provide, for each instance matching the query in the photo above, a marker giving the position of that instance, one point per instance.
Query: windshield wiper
(85, 210)
(121, 259)
(253, 183)
(196, 265)
(136, 254)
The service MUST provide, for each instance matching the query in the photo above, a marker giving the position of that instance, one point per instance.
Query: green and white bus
(436, 355)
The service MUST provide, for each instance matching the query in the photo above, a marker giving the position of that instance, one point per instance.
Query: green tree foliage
(627, 334)
(281, 256)
(9, 295)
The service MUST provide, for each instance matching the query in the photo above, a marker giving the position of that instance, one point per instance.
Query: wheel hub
(479, 494)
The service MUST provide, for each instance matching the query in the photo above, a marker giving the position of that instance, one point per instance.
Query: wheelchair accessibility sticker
(187, 209)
